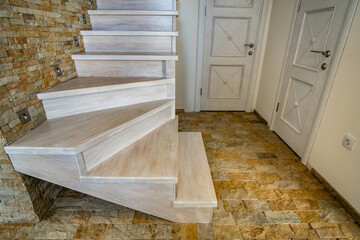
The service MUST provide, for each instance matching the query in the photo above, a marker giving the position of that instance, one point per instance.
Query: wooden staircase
(112, 131)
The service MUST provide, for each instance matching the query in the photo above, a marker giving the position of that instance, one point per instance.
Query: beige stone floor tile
(143, 218)
(280, 231)
(283, 217)
(309, 216)
(227, 232)
(307, 204)
(90, 231)
(332, 230)
(256, 205)
(267, 194)
(184, 231)
(250, 218)
(243, 176)
(335, 216)
(282, 205)
(234, 206)
(223, 218)
(205, 231)
(238, 194)
(253, 232)
(303, 231)
(80, 217)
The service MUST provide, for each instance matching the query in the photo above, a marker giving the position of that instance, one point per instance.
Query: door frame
(329, 78)
(259, 55)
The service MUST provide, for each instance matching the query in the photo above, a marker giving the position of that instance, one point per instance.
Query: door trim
(328, 81)
(259, 56)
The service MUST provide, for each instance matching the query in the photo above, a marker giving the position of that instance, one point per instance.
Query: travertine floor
(263, 190)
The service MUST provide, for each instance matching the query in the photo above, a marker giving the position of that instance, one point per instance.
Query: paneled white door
(231, 32)
(317, 28)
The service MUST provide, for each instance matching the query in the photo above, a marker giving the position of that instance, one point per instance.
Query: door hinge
(299, 6)
(200, 91)
(277, 106)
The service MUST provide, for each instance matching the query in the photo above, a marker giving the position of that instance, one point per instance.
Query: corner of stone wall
(35, 35)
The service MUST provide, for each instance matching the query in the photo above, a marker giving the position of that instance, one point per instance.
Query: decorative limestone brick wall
(35, 36)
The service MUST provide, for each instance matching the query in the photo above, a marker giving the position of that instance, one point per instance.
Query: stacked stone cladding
(35, 35)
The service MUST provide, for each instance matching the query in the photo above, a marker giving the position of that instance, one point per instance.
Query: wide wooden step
(152, 159)
(73, 96)
(74, 134)
(195, 186)
(125, 56)
(136, 4)
(129, 41)
(133, 20)
(113, 64)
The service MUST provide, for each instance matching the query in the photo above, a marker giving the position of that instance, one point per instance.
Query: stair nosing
(134, 12)
(108, 88)
(88, 144)
(114, 56)
(170, 180)
(129, 33)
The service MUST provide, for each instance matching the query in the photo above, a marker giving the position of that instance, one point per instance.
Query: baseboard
(261, 117)
(337, 196)
(177, 111)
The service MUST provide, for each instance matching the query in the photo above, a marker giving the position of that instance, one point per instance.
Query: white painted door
(317, 28)
(230, 27)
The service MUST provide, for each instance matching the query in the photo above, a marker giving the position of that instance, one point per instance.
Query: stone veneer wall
(35, 35)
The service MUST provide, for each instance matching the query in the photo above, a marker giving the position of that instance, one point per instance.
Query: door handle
(326, 53)
(251, 45)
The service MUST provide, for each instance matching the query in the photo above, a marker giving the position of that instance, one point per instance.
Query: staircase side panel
(131, 23)
(135, 4)
(107, 68)
(160, 44)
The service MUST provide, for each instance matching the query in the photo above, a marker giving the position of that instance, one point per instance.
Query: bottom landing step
(195, 195)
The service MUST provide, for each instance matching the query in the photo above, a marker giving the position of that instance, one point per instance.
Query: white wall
(340, 167)
(186, 48)
(279, 29)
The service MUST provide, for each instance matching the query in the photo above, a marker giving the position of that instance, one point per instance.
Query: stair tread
(125, 56)
(132, 12)
(128, 33)
(88, 85)
(195, 186)
(73, 134)
(150, 159)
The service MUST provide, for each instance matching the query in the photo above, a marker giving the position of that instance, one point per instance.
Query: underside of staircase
(112, 132)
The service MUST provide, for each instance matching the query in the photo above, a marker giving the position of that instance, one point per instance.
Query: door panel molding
(330, 75)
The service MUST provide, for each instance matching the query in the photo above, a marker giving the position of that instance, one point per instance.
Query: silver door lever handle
(251, 45)
(326, 53)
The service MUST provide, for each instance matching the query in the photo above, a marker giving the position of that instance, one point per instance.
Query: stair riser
(136, 4)
(128, 43)
(132, 23)
(108, 68)
(114, 144)
(71, 105)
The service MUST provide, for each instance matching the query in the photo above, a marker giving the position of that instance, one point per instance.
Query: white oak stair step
(88, 85)
(195, 186)
(136, 4)
(72, 97)
(133, 20)
(129, 41)
(126, 56)
(152, 159)
(123, 64)
(74, 134)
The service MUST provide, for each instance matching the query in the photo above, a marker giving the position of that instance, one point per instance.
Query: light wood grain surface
(88, 85)
(195, 187)
(73, 134)
(150, 159)
(128, 33)
(134, 56)
(133, 12)
(136, 4)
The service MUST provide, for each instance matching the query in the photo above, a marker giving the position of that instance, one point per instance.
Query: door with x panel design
(231, 32)
(315, 35)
